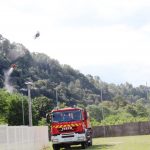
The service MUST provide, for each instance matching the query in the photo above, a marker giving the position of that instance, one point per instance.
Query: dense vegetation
(119, 103)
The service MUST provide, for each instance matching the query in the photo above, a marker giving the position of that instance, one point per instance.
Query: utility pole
(146, 92)
(102, 106)
(57, 99)
(23, 112)
(29, 102)
(22, 99)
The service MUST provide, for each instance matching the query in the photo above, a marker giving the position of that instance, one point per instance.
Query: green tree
(15, 112)
(4, 105)
(119, 101)
(141, 110)
(95, 112)
(131, 109)
(42, 105)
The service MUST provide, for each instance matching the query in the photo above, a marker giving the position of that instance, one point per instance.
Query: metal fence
(134, 128)
(23, 137)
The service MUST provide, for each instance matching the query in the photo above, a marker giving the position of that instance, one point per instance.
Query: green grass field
(122, 143)
(119, 143)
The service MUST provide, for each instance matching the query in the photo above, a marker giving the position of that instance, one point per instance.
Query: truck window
(77, 115)
(56, 117)
(65, 116)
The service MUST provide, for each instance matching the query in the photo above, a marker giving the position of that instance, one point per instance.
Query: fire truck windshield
(66, 116)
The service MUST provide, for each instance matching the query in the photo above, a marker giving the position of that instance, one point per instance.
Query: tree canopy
(73, 88)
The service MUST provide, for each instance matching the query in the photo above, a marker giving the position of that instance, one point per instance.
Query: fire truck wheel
(56, 147)
(84, 145)
(90, 143)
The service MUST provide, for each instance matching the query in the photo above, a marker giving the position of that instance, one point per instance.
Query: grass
(122, 143)
(118, 143)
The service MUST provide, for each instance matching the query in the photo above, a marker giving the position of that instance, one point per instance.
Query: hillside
(48, 74)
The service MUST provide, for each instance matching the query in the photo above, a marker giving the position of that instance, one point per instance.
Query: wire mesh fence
(23, 137)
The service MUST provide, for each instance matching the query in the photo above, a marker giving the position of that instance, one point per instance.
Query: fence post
(15, 136)
(22, 137)
(7, 137)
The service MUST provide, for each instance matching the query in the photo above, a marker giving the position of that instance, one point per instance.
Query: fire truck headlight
(54, 140)
(81, 138)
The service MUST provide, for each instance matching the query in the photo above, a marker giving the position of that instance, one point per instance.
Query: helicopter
(13, 66)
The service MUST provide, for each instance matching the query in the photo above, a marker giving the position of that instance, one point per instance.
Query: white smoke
(7, 74)
(16, 52)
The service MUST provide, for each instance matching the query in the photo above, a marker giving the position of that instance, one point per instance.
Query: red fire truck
(70, 126)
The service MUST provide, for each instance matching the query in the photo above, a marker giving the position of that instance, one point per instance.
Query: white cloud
(81, 33)
(101, 45)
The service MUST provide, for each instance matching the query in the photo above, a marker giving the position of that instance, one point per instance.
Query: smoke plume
(7, 74)
(17, 52)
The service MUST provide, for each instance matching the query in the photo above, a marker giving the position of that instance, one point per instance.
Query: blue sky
(108, 38)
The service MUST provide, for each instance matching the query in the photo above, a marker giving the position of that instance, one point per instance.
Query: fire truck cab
(70, 126)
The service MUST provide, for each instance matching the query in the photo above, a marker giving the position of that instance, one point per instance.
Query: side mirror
(84, 115)
(48, 118)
